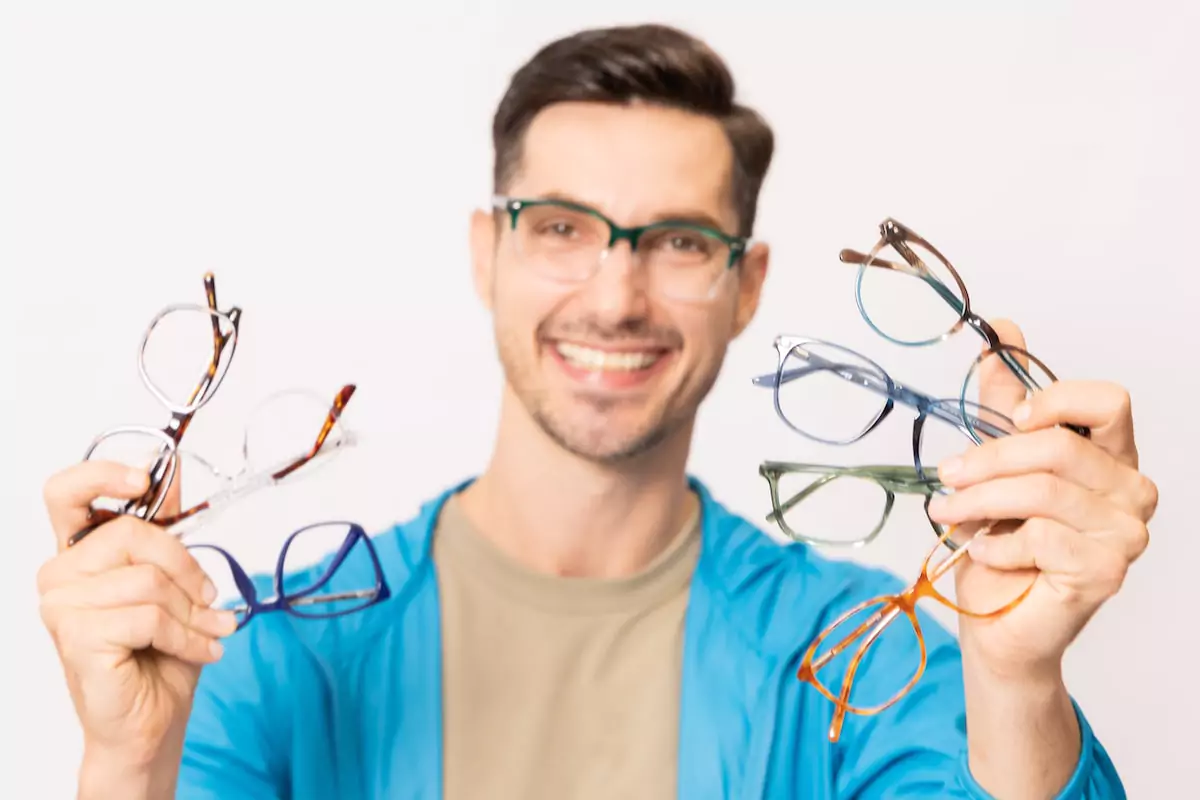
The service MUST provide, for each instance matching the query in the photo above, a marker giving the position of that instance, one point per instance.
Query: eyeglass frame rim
(738, 245)
(181, 416)
(891, 606)
(894, 391)
(892, 478)
(897, 234)
(282, 601)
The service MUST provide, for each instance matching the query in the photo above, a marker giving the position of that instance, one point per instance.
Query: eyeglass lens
(569, 245)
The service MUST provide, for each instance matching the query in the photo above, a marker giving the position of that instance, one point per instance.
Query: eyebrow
(684, 216)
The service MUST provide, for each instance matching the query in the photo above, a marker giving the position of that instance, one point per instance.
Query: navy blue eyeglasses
(346, 579)
(834, 412)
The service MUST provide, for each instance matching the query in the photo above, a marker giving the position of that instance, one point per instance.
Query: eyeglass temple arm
(916, 269)
(335, 412)
(800, 496)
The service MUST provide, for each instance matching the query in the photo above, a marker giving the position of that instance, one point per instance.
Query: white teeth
(587, 358)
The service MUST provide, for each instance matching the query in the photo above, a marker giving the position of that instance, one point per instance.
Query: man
(584, 619)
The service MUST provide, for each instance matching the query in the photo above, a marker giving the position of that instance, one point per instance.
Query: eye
(558, 228)
(687, 243)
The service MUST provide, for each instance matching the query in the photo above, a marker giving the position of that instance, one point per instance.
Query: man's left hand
(1084, 507)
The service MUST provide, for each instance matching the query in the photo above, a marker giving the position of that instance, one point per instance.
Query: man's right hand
(128, 608)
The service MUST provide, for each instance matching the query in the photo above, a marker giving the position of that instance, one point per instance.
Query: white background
(324, 162)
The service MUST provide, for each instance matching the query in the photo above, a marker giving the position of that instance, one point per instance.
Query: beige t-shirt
(558, 688)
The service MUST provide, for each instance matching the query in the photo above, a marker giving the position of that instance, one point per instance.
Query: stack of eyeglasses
(910, 294)
(188, 340)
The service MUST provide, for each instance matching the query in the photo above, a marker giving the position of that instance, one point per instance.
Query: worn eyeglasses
(910, 294)
(834, 395)
(805, 497)
(567, 242)
(324, 570)
(871, 646)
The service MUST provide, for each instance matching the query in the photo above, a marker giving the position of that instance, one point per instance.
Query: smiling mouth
(594, 360)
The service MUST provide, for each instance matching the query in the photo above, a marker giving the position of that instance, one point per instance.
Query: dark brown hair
(655, 64)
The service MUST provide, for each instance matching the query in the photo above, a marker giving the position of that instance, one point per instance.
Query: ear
(752, 274)
(483, 255)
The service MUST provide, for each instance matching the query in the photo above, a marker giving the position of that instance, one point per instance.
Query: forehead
(631, 162)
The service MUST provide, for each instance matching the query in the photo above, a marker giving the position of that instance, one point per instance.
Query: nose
(616, 292)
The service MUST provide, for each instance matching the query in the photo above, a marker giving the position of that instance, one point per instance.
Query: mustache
(633, 330)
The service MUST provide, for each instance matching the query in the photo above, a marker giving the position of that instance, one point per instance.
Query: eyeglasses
(920, 299)
(566, 242)
(804, 497)
(834, 395)
(269, 455)
(181, 342)
(345, 562)
(882, 668)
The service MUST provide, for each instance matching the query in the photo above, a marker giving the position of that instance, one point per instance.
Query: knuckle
(145, 622)
(1046, 490)
(1111, 574)
(1149, 502)
(1139, 541)
(1064, 446)
(152, 582)
(49, 612)
(1122, 401)
(45, 576)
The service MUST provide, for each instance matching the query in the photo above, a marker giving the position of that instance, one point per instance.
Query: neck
(561, 514)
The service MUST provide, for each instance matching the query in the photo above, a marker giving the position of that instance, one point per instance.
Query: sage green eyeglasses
(567, 242)
(849, 506)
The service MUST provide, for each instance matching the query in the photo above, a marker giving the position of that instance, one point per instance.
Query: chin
(608, 445)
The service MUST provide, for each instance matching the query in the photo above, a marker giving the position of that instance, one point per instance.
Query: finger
(1069, 558)
(1060, 452)
(1026, 496)
(68, 494)
(139, 584)
(999, 389)
(1104, 407)
(126, 541)
(118, 631)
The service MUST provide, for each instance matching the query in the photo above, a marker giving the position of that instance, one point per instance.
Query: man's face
(608, 367)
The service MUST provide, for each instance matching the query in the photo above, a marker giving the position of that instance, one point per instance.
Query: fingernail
(209, 592)
(227, 620)
(951, 467)
(1021, 413)
(937, 504)
(135, 478)
(216, 648)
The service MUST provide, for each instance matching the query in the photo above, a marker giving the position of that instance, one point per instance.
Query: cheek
(521, 304)
(707, 333)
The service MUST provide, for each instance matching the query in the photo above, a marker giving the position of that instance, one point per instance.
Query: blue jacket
(350, 707)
